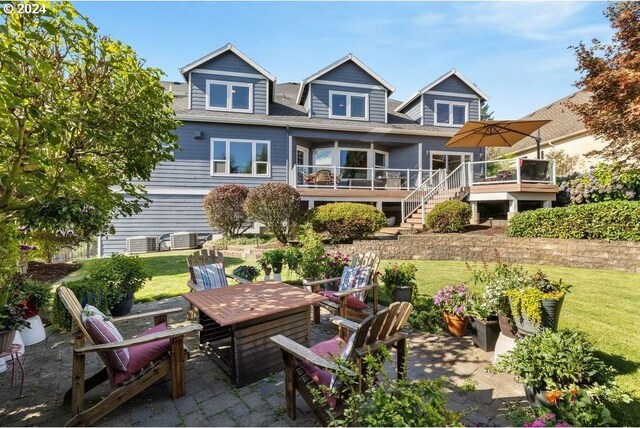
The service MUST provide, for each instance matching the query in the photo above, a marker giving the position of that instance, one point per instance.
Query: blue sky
(516, 52)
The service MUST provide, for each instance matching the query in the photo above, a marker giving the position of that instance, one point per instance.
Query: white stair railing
(411, 203)
(454, 180)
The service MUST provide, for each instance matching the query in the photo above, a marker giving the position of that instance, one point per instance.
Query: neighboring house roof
(284, 111)
(349, 57)
(430, 86)
(564, 122)
(228, 47)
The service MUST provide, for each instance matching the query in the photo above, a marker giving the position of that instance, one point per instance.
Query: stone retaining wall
(614, 255)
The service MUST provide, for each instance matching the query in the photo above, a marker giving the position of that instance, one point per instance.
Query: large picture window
(348, 105)
(450, 113)
(229, 96)
(240, 157)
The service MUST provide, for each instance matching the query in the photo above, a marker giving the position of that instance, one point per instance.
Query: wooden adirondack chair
(202, 258)
(173, 362)
(370, 260)
(382, 329)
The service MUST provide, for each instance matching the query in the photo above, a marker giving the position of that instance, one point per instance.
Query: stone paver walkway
(211, 400)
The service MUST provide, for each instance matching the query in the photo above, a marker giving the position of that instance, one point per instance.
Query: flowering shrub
(546, 420)
(527, 296)
(603, 183)
(224, 208)
(498, 280)
(454, 299)
(333, 264)
(576, 408)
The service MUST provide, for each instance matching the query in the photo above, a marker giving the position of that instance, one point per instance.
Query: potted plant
(556, 361)
(11, 319)
(122, 276)
(498, 279)
(536, 303)
(400, 281)
(454, 301)
(31, 296)
(266, 268)
(331, 266)
(484, 324)
(275, 258)
(248, 272)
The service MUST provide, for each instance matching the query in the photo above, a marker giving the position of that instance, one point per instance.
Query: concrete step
(414, 220)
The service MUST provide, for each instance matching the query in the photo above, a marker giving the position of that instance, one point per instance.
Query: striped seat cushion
(355, 277)
(210, 276)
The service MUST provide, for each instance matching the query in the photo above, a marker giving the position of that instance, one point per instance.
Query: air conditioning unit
(184, 240)
(142, 244)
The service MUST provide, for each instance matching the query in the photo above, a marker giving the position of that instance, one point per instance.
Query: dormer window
(229, 96)
(450, 113)
(348, 105)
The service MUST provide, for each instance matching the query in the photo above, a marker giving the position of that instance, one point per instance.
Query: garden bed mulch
(486, 230)
(50, 272)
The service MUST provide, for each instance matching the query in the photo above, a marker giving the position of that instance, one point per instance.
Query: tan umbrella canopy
(496, 133)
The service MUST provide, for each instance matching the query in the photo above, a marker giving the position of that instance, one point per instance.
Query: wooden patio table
(238, 321)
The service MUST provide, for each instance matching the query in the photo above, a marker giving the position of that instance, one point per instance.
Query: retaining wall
(614, 255)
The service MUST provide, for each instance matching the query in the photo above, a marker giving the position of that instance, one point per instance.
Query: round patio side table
(13, 353)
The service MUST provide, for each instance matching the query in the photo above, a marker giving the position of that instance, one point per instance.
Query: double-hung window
(229, 96)
(449, 113)
(348, 105)
(240, 157)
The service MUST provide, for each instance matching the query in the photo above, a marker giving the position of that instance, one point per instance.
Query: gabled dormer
(447, 102)
(346, 89)
(229, 81)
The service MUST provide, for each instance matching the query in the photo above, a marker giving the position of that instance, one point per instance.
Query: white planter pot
(35, 333)
(503, 345)
(277, 277)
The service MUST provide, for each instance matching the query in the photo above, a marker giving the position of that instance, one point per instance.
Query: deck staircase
(439, 187)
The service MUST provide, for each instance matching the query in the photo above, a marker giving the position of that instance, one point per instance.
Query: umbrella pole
(538, 139)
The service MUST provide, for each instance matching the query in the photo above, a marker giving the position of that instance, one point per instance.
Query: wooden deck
(391, 195)
(513, 188)
(232, 305)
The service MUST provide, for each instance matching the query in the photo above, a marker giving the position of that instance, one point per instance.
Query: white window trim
(228, 142)
(229, 85)
(450, 104)
(306, 155)
(386, 159)
(443, 153)
(349, 95)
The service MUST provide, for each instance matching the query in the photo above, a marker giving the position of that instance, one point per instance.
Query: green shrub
(426, 316)
(448, 216)
(311, 250)
(248, 272)
(9, 250)
(88, 291)
(615, 220)
(277, 206)
(121, 276)
(346, 221)
(224, 208)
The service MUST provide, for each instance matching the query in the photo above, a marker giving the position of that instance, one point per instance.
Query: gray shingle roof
(284, 109)
(563, 121)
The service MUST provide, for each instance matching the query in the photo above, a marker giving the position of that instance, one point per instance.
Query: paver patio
(211, 400)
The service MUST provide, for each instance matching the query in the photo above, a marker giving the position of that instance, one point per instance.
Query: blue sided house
(338, 135)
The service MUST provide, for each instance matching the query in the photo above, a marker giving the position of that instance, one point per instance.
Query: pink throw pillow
(141, 355)
(103, 331)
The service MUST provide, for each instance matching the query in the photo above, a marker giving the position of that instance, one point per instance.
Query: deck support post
(547, 204)
(513, 208)
(475, 215)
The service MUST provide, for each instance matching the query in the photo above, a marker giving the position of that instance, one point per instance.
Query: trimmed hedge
(614, 220)
(448, 216)
(346, 221)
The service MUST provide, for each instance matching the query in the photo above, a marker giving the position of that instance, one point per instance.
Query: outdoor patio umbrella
(496, 133)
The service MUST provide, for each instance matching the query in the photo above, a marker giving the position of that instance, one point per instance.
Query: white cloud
(533, 21)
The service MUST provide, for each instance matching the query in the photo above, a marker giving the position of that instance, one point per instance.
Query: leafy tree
(277, 206)
(611, 72)
(485, 114)
(224, 207)
(82, 121)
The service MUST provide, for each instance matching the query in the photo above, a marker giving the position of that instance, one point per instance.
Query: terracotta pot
(506, 327)
(456, 324)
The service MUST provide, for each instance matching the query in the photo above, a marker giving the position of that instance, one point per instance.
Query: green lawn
(602, 303)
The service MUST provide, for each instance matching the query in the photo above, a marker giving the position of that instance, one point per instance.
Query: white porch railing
(338, 177)
(454, 180)
(512, 171)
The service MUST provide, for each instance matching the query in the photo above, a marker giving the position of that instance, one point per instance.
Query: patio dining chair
(357, 280)
(324, 177)
(308, 369)
(130, 365)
